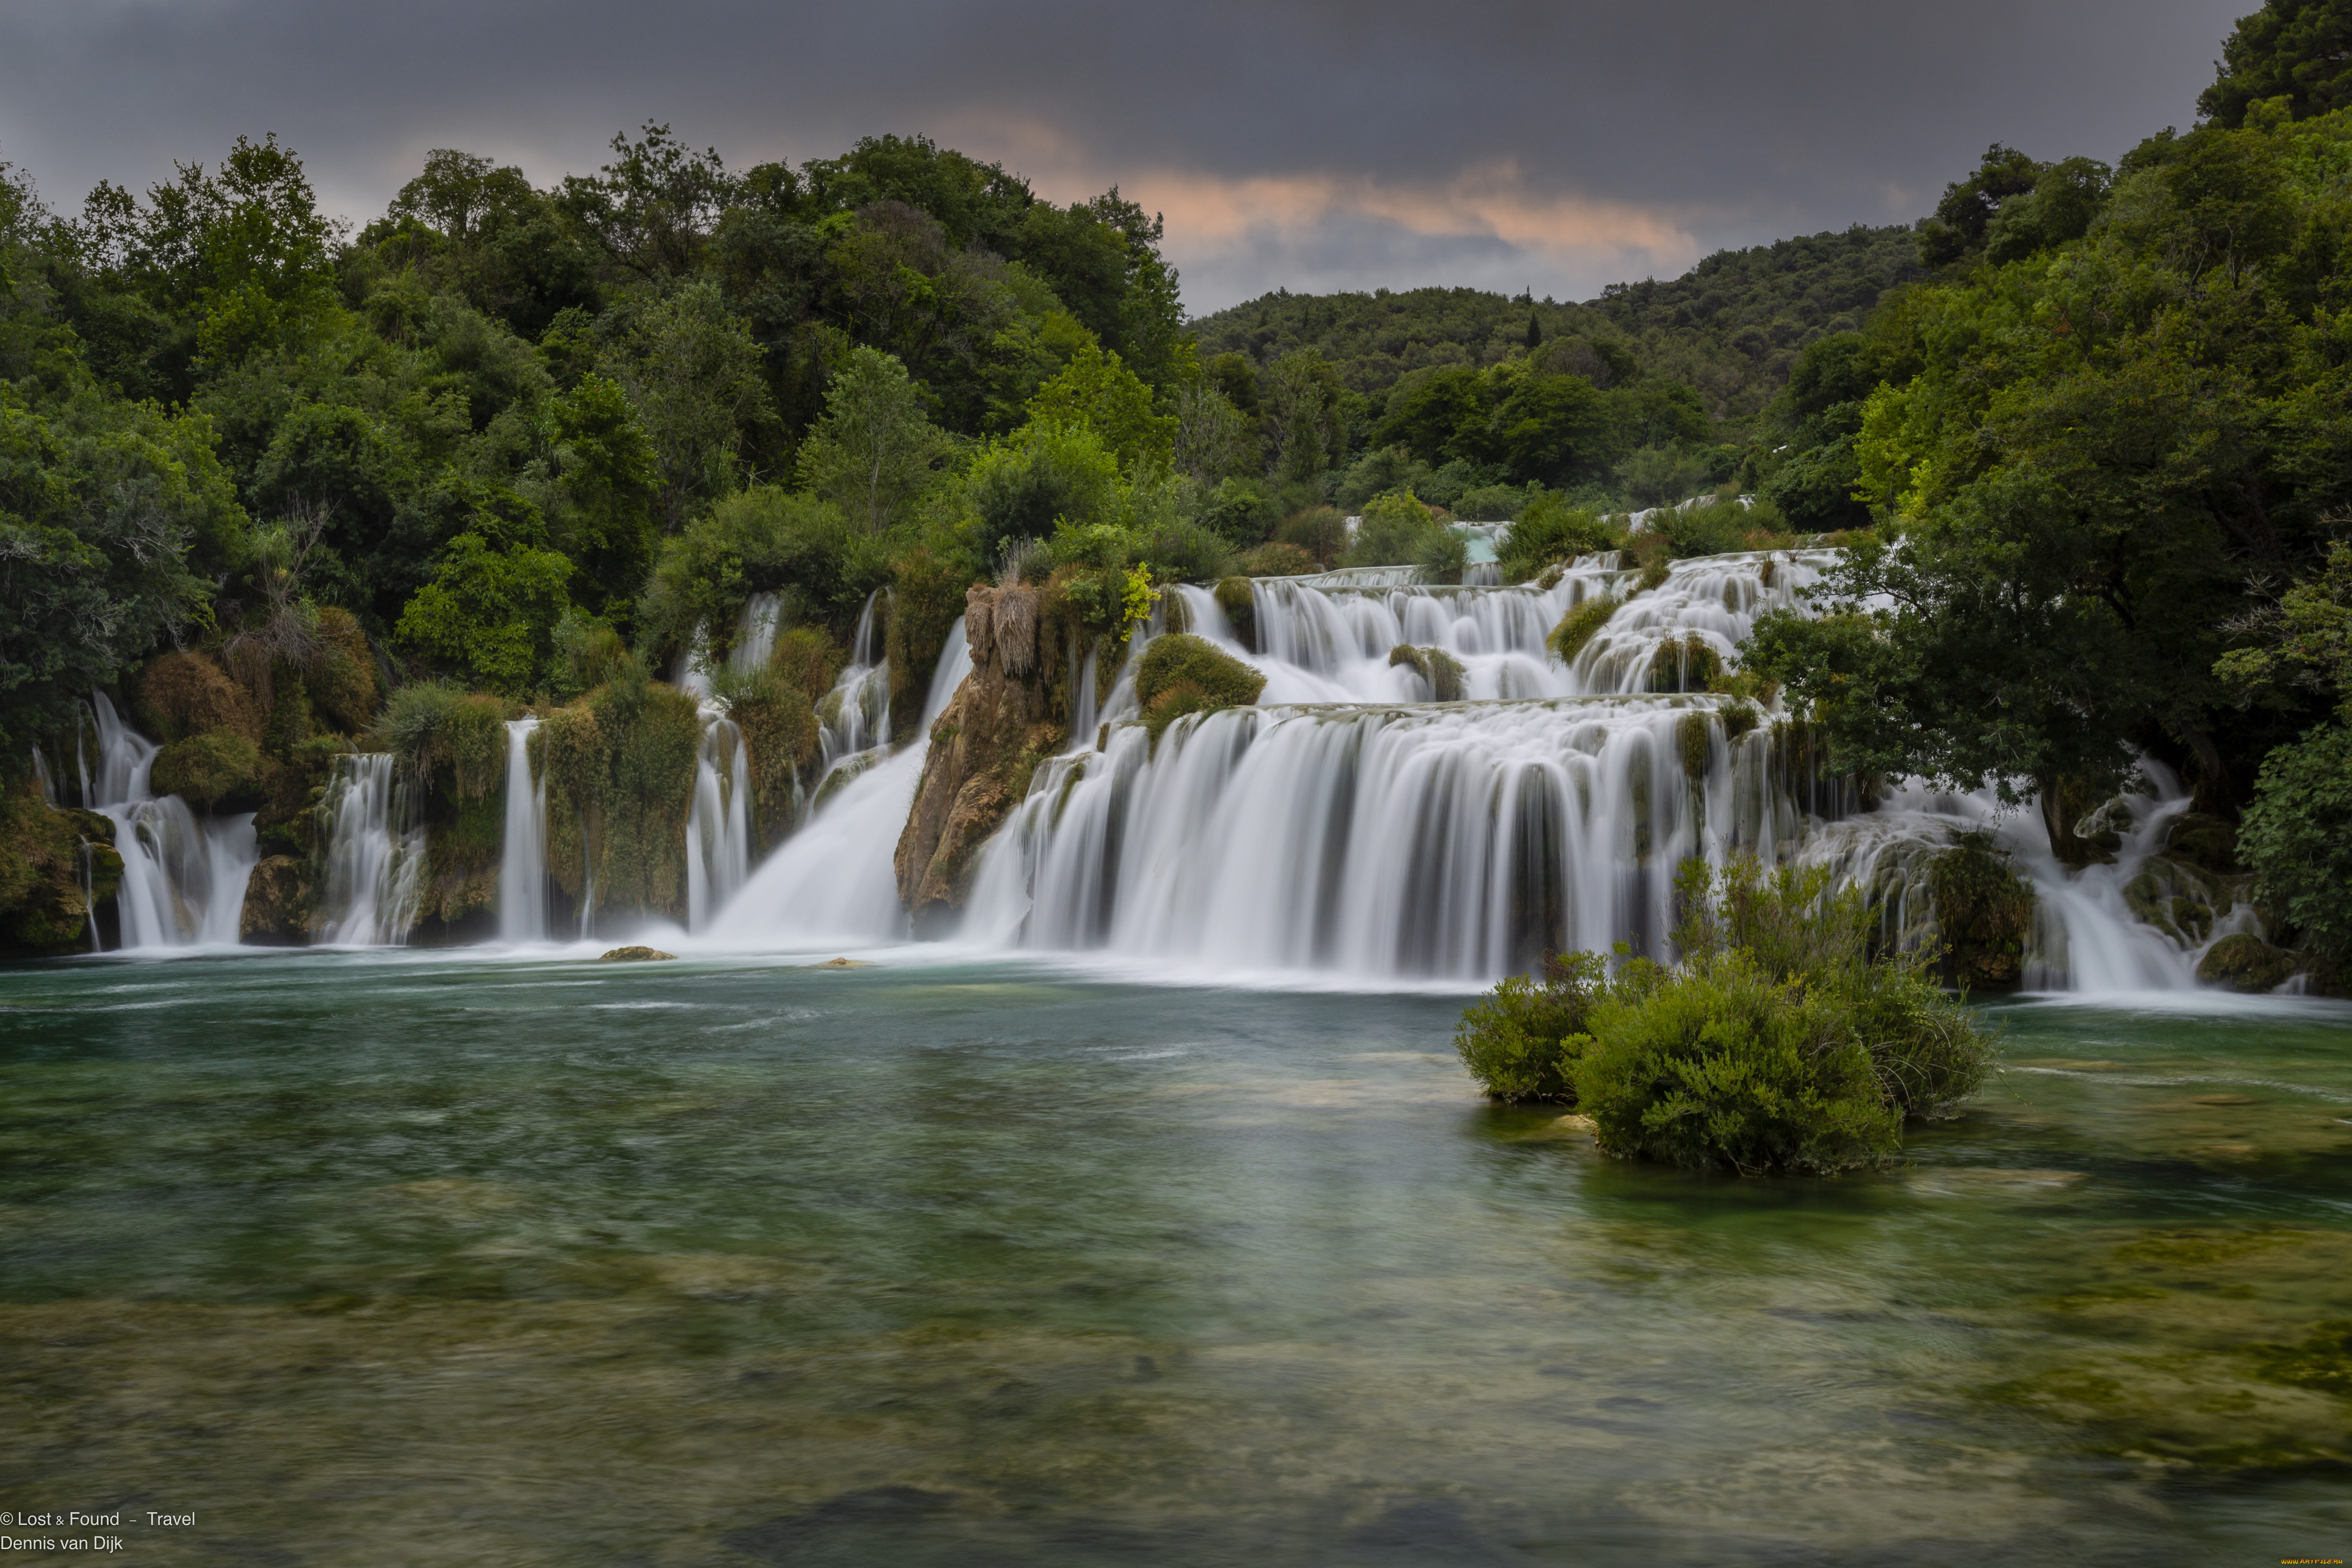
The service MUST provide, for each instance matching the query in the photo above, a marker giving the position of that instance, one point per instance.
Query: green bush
(1984, 910)
(1318, 531)
(1394, 530)
(1549, 532)
(1042, 476)
(1185, 552)
(490, 614)
(2297, 837)
(1181, 674)
(205, 769)
(1777, 1043)
(1523, 1039)
(1241, 512)
(761, 539)
(1494, 503)
(1576, 627)
(1708, 528)
(1720, 1065)
(1443, 556)
(1278, 559)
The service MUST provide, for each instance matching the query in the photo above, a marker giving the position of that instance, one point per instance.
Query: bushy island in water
(1778, 1042)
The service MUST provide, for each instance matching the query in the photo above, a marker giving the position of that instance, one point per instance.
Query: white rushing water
(375, 855)
(1349, 824)
(833, 881)
(522, 846)
(184, 875)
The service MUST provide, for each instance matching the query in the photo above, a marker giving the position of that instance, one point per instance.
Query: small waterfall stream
(522, 849)
(718, 821)
(375, 855)
(183, 877)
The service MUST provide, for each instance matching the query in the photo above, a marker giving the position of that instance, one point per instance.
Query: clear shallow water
(431, 1258)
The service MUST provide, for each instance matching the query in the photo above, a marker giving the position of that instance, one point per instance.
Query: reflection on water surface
(410, 1257)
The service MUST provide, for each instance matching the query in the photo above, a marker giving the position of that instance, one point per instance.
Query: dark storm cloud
(1312, 144)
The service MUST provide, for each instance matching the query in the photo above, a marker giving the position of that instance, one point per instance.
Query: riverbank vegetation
(1780, 1038)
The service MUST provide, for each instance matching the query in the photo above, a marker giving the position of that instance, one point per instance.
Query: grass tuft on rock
(1183, 674)
(1441, 670)
(1577, 627)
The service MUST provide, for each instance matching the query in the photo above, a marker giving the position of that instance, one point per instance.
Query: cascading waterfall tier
(375, 855)
(184, 875)
(522, 850)
(1349, 823)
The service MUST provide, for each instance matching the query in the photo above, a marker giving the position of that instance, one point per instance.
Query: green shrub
(1549, 532)
(1318, 531)
(761, 539)
(2297, 837)
(1576, 627)
(926, 590)
(1493, 503)
(412, 721)
(1241, 512)
(1777, 1043)
(1983, 909)
(489, 612)
(344, 684)
(1186, 552)
(1043, 475)
(1181, 674)
(1707, 528)
(182, 694)
(205, 769)
(1394, 530)
(1523, 1039)
(1720, 1066)
(1443, 556)
(1278, 559)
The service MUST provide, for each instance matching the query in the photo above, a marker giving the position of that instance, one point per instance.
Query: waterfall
(375, 854)
(833, 881)
(854, 716)
(183, 877)
(522, 850)
(1347, 823)
(718, 820)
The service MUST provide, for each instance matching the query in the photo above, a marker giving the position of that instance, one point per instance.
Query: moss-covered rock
(183, 694)
(207, 769)
(2244, 962)
(1238, 599)
(1576, 627)
(1695, 740)
(1690, 664)
(999, 724)
(619, 766)
(1442, 671)
(926, 597)
(342, 688)
(44, 856)
(277, 903)
(2179, 899)
(1181, 674)
(1984, 913)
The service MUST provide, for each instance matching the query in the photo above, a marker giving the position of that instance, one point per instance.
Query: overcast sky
(1301, 143)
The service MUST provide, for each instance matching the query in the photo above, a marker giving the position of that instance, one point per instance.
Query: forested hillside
(1730, 327)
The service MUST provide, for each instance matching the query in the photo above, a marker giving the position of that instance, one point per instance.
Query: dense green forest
(2088, 430)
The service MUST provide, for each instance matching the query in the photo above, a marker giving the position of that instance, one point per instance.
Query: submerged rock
(2244, 962)
(636, 955)
(278, 898)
